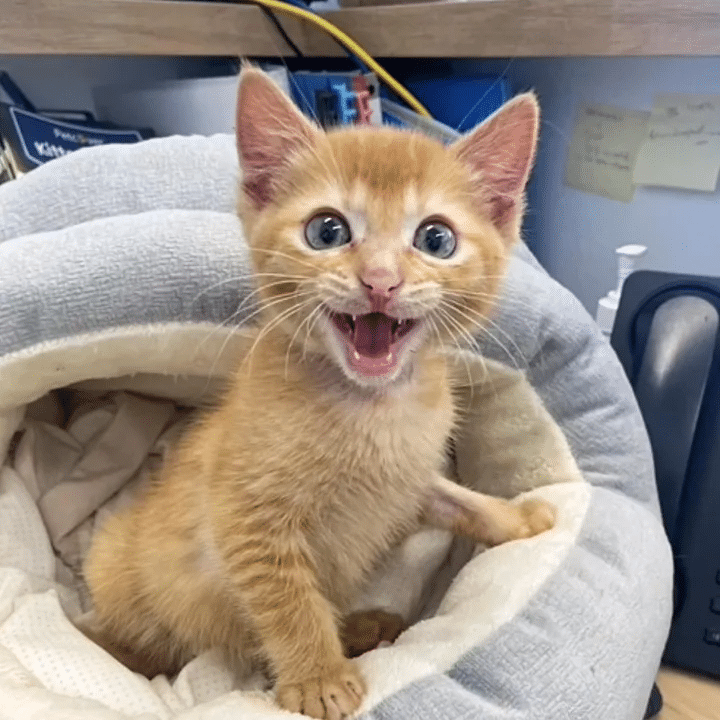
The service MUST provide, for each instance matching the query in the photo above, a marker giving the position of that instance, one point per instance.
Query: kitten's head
(372, 242)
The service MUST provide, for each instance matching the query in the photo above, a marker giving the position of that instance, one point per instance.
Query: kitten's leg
(483, 518)
(121, 621)
(297, 628)
(160, 655)
(364, 630)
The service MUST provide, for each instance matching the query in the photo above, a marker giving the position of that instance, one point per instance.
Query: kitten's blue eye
(436, 239)
(326, 231)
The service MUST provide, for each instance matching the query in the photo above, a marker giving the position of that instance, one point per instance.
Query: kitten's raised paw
(538, 516)
(330, 697)
(366, 629)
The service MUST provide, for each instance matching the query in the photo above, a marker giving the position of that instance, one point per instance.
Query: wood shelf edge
(478, 28)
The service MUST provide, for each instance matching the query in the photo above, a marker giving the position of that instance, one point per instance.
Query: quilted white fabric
(52, 671)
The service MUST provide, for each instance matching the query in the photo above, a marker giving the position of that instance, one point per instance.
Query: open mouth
(372, 341)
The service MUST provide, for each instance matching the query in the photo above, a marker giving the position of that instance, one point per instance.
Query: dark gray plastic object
(666, 336)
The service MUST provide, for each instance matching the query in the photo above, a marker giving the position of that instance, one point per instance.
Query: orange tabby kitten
(381, 247)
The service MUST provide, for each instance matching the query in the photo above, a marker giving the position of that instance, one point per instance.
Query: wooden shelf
(476, 28)
(134, 27)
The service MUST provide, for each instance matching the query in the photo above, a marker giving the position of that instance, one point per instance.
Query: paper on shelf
(682, 146)
(603, 149)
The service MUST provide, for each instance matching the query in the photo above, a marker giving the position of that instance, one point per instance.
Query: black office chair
(666, 336)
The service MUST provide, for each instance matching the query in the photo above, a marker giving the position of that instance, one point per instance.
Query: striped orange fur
(268, 518)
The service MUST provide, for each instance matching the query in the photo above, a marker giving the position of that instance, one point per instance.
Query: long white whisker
(295, 334)
(511, 357)
(278, 301)
(470, 379)
(250, 295)
(485, 276)
(485, 319)
(491, 297)
(238, 278)
(232, 316)
(460, 350)
(458, 327)
(431, 320)
(273, 323)
(440, 318)
(483, 330)
(280, 253)
(318, 314)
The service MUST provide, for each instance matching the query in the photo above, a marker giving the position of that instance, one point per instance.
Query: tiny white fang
(354, 317)
(389, 357)
(356, 354)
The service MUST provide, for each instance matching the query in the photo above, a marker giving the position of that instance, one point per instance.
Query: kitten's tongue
(373, 334)
(371, 343)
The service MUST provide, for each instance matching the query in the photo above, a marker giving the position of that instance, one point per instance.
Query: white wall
(66, 82)
(576, 232)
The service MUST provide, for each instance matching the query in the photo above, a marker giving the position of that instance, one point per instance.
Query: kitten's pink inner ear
(270, 131)
(500, 153)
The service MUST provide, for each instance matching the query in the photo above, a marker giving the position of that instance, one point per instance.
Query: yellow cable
(352, 46)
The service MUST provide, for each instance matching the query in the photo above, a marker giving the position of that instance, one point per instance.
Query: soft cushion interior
(148, 278)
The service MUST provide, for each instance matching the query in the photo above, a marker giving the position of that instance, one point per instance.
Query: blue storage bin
(451, 99)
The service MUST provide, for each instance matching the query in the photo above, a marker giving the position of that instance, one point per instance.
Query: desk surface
(688, 697)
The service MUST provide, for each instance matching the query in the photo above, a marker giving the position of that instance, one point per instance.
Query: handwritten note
(603, 148)
(682, 146)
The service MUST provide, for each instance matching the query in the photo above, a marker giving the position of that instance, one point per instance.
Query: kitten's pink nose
(380, 285)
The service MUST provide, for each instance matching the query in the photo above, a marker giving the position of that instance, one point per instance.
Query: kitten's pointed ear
(270, 130)
(500, 153)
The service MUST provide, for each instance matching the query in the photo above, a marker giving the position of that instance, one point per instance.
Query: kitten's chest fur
(348, 468)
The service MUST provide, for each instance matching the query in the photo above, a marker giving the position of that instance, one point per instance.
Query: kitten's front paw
(537, 516)
(331, 697)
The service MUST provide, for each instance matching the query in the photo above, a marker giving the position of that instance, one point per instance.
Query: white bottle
(607, 307)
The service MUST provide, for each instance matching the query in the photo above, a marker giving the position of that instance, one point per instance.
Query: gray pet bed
(117, 266)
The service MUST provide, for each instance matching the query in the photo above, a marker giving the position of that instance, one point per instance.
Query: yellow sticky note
(603, 149)
(682, 146)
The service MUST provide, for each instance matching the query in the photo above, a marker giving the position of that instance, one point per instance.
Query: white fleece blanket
(49, 670)
(80, 455)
